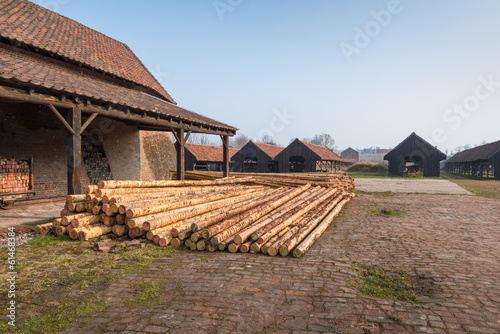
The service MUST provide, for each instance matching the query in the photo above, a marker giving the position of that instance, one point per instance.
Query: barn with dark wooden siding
(256, 157)
(414, 154)
(205, 157)
(481, 161)
(77, 100)
(301, 156)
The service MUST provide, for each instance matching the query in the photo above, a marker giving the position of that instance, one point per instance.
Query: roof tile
(33, 25)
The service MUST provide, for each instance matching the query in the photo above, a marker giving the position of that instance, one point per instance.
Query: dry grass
(72, 276)
(481, 187)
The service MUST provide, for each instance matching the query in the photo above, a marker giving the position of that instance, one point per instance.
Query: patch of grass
(56, 268)
(395, 318)
(375, 193)
(384, 212)
(57, 318)
(481, 187)
(148, 293)
(390, 284)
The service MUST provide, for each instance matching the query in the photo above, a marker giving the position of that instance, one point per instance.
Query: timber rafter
(146, 120)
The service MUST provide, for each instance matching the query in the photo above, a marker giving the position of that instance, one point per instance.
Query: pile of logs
(328, 180)
(243, 213)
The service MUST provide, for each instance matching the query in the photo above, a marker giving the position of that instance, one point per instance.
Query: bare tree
(323, 139)
(204, 139)
(239, 140)
(267, 139)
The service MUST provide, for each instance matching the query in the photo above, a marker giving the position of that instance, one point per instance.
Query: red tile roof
(208, 153)
(323, 152)
(35, 26)
(29, 67)
(271, 150)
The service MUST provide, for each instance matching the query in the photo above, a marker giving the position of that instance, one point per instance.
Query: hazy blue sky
(367, 72)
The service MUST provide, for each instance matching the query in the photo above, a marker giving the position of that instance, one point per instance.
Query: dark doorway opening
(250, 164)
(414, 165)
(297, 164)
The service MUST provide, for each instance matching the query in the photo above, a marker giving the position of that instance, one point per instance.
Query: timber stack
(269, 213)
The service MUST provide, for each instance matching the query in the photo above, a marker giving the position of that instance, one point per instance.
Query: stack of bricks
(14, 175)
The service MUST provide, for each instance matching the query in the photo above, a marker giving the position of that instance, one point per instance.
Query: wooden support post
(180, 140)
(74, 153)
(225, 156)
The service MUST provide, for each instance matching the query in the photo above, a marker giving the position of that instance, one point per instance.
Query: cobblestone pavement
(449, 244)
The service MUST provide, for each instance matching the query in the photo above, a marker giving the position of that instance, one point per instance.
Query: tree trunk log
(113, 184)
(170, 217)
(243, 235)
(234, 219)
(76, 198)
(243, 207)
(256, 214)
(303, 231)
(169, 205)
(90, 189)
(94, 232)
(85, 221)
(272, 229)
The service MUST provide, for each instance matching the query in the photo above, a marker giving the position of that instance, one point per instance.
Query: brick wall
(31, 130)
(158, 155)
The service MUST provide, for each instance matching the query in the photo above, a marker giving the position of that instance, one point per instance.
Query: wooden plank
(225, 156)
(74, 154)
(61, 118)
(91, 118)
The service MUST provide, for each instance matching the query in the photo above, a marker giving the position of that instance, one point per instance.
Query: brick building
(350, 155)
(84, 106)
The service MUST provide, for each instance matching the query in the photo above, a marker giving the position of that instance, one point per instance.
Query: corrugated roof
(208, 153)
(42, 29)
(483, 152)
(323, 152)
(28, 67)
(271, 150)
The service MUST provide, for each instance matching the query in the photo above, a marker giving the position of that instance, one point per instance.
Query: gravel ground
(21, 238)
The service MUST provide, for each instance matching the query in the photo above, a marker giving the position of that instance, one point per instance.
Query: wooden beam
(91, 118)
(61, 118)
(162, 124)
(74, 154)
(225, 156)
(179, 146)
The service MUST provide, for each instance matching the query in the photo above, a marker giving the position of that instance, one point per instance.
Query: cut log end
(238, 239)
(233, 248)
(297, 253)
(272, 251)
(176, 242)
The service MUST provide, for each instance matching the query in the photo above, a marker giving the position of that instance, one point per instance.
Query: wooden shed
(301, 156)
(205, 157)
(414, 154)
(256, 157)
(481, 161)
(62, 82)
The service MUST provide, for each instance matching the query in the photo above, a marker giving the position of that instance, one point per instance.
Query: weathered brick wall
(122, 146)
(30, 130)
(158, 155)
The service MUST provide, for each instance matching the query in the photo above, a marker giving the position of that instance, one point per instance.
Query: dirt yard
(444, 250)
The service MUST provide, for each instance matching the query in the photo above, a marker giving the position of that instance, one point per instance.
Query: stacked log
(265, 213)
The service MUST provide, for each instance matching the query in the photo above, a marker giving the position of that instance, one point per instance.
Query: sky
(366, 72)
